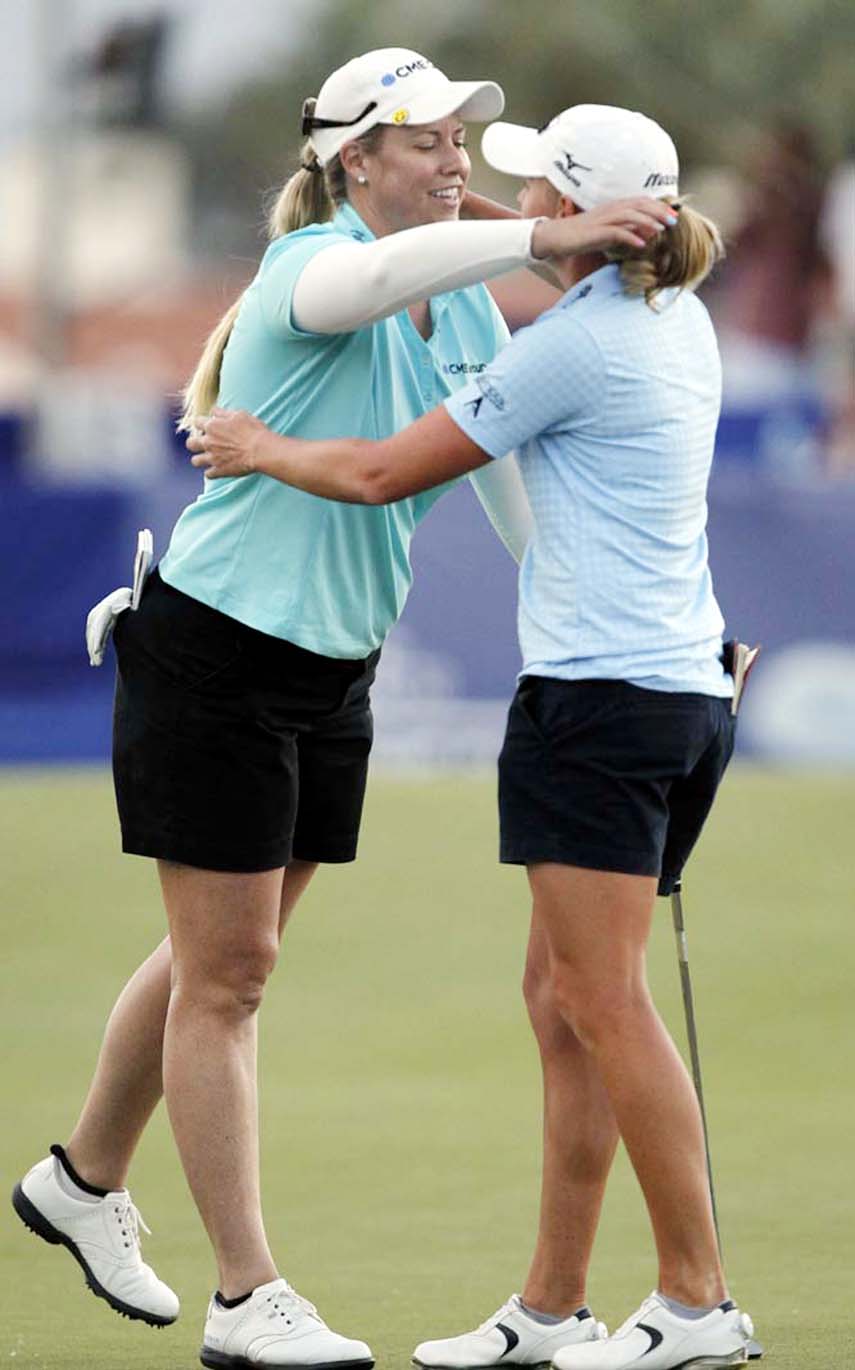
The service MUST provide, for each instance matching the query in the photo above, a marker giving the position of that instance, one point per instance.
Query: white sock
(684, 1310)
(73, 1190)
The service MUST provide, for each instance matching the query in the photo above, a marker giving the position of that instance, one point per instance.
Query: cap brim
(514, 149)
(476, 100)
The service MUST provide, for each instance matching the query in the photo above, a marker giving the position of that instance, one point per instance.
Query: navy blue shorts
(234, 750)
(608, 776)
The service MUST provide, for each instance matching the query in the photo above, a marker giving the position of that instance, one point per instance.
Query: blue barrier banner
(781, 557)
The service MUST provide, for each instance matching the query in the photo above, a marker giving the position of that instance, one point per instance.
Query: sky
(213, 45)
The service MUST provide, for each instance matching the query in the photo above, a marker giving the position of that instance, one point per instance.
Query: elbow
(376, 486)
(376, 478)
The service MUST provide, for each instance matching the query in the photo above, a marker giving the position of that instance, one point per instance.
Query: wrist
(542, 240)
(260, 449)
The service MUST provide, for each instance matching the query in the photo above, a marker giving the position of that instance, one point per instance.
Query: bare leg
(597, 925)
(580, 1136)
(224, 930)
(128, 1080)
(294, 882)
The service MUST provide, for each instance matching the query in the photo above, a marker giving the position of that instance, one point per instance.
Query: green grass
(400, 1089)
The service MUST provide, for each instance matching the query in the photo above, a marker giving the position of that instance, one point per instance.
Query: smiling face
(413, 176)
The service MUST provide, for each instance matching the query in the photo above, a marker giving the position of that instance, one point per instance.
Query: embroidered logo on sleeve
(489, 391)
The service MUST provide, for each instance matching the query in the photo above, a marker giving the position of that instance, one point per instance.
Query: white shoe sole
(219, 1360)
(36, 1222)
(489, 1365)
(714, 1362)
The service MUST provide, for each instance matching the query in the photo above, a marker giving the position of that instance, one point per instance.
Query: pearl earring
(363, 180)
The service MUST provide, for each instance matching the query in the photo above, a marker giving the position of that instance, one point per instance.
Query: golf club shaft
(689, 1007)
(755, 1350)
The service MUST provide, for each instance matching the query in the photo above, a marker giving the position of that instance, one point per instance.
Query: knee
(552, 1031)
(231, 982)
(600, 1009)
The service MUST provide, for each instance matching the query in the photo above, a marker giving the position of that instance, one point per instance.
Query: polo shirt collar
(347, 219)
(605, 280)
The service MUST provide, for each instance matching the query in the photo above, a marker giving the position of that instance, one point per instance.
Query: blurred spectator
(837, 231)
(777, 264)
(776, 282)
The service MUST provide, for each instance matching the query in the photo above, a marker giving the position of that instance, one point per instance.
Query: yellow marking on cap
(400, 116)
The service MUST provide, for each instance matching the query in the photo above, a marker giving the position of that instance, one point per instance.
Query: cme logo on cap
(406, 70)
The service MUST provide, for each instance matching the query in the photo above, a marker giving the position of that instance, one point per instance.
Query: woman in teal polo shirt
(244, 675)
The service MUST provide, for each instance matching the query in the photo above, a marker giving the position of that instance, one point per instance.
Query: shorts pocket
(561, 709)
(184, 642)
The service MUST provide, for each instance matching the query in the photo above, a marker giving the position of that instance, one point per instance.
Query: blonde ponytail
(200, 394)
(304, 199)
(682, 256)
(310, 196)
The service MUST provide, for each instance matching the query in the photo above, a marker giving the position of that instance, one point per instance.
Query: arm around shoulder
(352, 285)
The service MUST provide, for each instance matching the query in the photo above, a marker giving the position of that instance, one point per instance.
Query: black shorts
(234, 750)
(608, 776)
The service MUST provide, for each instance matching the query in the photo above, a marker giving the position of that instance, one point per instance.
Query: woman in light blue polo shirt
(621, 726)
(242, 721)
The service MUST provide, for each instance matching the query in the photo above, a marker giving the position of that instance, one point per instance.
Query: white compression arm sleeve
(499, 487)
(349, 285)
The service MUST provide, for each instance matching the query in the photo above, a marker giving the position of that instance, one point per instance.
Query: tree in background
(717, 75)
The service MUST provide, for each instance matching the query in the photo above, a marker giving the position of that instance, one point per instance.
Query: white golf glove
(101, 620)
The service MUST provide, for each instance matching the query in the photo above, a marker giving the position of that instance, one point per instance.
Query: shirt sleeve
(550, 375)
(280, 271)
(500, 489)
(360, 283)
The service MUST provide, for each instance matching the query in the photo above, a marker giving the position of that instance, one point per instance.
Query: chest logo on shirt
(463, 368)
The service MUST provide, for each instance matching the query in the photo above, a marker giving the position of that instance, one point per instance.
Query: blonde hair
(310, 196)
(681, 256)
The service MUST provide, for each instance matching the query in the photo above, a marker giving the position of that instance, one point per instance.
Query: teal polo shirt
(330, 577)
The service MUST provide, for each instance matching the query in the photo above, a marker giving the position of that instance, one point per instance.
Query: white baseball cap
(590, 153)
(391, 86)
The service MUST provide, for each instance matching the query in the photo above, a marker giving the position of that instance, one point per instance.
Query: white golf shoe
(102, 1235)
(509, 1337)
(275, 1326)
(654, 1338)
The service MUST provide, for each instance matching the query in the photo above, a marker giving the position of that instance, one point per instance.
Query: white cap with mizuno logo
(391, 86)
(590, 153)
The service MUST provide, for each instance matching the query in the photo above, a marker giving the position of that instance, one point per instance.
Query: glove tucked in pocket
(101, 619)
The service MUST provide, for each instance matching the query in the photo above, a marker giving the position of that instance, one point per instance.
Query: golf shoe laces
(130, 1220)
(510, 1307)
(291, 1302)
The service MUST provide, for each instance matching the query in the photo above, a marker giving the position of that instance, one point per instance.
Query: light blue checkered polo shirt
(331, 577)
(613, 408)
